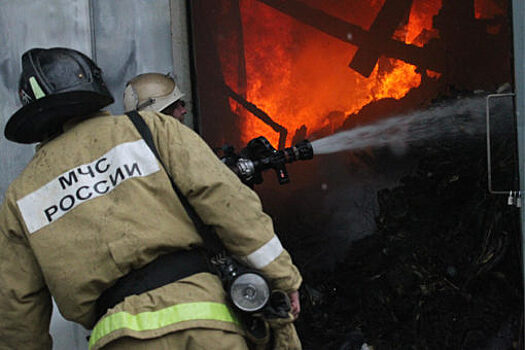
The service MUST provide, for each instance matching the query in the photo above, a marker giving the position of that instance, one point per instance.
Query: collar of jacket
(72, 123)
(75, 121)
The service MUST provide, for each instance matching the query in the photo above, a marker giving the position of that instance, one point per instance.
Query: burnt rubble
(442, 270)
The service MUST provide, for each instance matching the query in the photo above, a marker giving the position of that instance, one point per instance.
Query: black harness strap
(211, 241)
(167, 268)
(164, 270)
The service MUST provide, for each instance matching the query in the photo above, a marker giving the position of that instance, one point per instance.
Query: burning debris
(289, 66)
(431, 261)
(281, 88)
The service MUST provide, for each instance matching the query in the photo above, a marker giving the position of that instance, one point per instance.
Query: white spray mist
(398, 132)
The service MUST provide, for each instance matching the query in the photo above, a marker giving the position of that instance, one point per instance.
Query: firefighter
(94, 206)
(155, 92)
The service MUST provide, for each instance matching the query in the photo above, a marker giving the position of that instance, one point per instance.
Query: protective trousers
(191, 339)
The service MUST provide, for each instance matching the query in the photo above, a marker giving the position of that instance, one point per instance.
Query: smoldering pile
(443, 269)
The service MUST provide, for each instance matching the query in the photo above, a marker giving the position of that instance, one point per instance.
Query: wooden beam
(355, 35)
(387, 21)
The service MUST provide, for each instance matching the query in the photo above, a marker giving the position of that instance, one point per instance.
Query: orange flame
(300, 76)
(486, 9)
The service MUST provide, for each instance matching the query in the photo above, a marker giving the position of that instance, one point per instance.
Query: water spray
(459, 118)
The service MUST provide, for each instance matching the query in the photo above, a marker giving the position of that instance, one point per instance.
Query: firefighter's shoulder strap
(211, 241)
(166, 268)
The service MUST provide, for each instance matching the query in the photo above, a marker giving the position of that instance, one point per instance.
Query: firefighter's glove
(277, 314)
(257, 331)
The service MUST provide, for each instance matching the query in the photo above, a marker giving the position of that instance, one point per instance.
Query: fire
(486, 9)
(300, 77)
(489, 9)
(419, 26)
(395, 84)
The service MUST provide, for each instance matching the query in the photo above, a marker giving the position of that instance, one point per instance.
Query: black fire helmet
(56, 85)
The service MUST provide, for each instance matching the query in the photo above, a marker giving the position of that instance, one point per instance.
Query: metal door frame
(518, 14)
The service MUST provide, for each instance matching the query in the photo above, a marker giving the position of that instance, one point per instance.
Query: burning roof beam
(387, 21)
(353, 34)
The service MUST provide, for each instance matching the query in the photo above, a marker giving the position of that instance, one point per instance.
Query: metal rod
(518, 13)
(259, 113)
(489, 166)
(91, 8)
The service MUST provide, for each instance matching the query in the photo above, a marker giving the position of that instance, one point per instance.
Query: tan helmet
(151, 91)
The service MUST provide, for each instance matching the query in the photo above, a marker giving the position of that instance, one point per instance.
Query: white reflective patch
(85, 182)
(264, 255)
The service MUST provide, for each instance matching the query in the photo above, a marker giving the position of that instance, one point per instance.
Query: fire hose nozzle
(301, 151)
(259, 155)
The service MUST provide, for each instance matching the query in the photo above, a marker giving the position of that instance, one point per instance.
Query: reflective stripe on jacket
(94, 203)
(172, 316)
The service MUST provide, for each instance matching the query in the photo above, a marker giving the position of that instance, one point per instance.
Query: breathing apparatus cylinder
(248, 290)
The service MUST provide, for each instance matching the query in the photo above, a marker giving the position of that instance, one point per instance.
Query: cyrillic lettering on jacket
(86, 182)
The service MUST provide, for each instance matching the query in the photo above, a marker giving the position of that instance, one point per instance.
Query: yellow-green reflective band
(158, 319)
(37, 90)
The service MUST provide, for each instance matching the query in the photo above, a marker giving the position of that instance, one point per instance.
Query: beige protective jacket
(95, 203)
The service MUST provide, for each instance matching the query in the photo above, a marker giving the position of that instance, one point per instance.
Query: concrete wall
(125, 38)
(25, 24)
